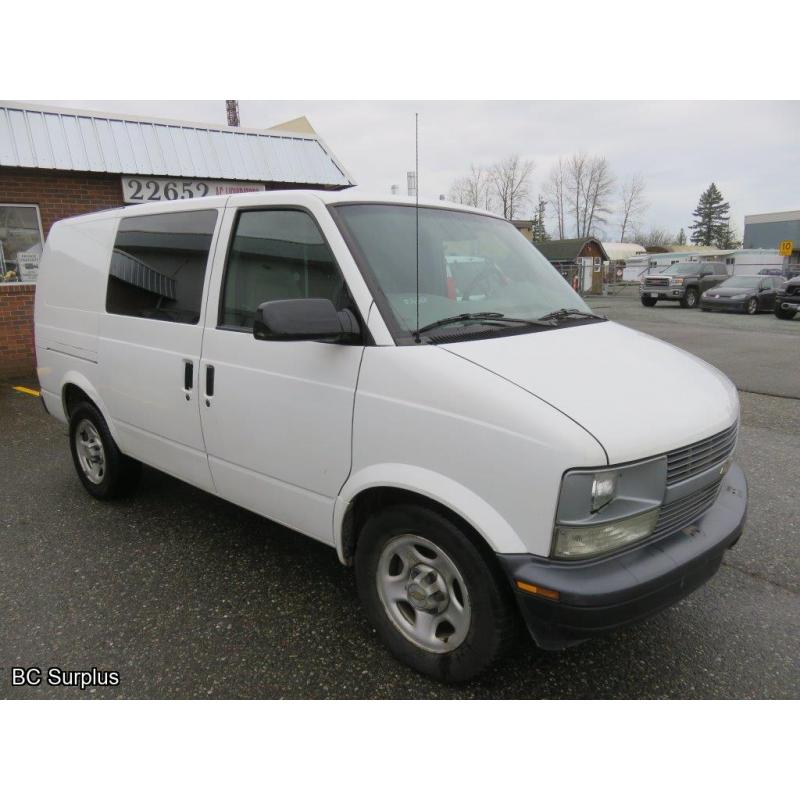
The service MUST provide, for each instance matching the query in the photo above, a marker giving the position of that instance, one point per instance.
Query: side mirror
(308, 319)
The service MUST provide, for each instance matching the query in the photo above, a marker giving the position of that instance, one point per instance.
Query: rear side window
(158, 266)
(277, 254)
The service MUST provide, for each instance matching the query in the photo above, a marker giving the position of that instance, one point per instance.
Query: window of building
(158, 266)
(20, 243)
(277, 255)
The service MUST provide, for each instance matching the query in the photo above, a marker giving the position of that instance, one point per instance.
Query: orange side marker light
(532, 588)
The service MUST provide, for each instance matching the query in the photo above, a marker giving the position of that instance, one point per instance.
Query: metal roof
(566, 250)
(53, 138)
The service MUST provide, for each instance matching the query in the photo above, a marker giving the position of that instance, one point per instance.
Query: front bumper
(723, 303)
(606, 593)
(662, 292)
(788, 303)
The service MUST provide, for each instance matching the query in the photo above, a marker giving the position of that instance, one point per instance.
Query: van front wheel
(104, 471)
(431, 595)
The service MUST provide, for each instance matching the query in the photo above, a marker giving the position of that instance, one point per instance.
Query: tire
(690, 298)
(781, 313)
(415, 566)
(649, 301)
(751, 307)
(104, 471)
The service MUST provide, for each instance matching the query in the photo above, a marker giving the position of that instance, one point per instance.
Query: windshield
(468, 264)
(682, 269)
(742, 282)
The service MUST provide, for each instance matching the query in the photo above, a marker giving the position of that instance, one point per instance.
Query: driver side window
(277, 254)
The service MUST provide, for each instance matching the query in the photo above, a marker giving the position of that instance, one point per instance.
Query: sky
(750, 149)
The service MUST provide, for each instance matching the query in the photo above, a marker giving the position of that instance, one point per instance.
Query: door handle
(188, 375)
(209, 383)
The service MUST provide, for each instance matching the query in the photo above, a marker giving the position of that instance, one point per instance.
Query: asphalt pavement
(188, 596)
(759, 353)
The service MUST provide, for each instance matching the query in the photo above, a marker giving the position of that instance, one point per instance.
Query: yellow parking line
(26, 390)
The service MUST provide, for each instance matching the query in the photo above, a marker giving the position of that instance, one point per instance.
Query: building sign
(141, 189)
(786, 246)
(28, 266)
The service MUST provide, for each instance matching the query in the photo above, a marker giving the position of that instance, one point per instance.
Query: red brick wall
(16, 329)
(58, 194)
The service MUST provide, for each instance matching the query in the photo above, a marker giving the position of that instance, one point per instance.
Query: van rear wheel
(433, 598)
(104, 471)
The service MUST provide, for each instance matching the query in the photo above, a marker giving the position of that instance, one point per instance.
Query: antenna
(416, 204)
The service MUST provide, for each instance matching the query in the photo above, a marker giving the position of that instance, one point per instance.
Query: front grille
(656, 281)
(680, 513)
(686, 462)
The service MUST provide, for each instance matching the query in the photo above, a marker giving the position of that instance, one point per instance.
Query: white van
(483, 454)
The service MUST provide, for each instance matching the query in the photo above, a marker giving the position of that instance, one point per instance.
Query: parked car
(683, 281)
(787, 300)
(771, 271)
(302, 354)
(747, 294)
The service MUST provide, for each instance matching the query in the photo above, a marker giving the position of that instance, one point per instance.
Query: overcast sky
(750, 149)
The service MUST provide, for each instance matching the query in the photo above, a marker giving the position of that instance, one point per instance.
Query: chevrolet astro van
(416, 387)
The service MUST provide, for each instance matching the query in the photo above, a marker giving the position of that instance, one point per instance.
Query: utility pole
(232, 107)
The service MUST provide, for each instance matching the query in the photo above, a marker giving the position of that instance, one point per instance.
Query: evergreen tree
(711, 218)
(538, 232)
(681, 237)
(728, 240)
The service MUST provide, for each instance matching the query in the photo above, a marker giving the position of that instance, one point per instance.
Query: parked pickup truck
(787, 301)
(684, 281)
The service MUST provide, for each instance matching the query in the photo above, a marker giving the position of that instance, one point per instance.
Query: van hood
(638, 396)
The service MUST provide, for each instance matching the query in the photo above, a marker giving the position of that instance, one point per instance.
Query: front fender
(497, 532)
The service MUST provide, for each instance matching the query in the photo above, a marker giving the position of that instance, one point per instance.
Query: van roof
(281, 195)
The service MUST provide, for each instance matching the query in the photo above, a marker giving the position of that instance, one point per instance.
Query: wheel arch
(75, 387)
(393, 484)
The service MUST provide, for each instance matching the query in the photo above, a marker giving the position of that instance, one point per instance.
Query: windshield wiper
(485, 316)
(565, 313)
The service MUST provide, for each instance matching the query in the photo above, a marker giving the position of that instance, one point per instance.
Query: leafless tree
(589, 188)
(555, 188)
(653, 237)
(459, 191)
(474, 189)
(632, 203)
(510, 179)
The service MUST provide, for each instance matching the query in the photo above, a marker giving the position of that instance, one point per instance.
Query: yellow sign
(785, 247)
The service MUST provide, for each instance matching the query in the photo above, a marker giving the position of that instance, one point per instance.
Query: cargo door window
(158, 266)
(277, 254)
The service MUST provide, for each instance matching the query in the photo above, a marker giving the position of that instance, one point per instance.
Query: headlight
(676, 281)
(604, 488)
(738, 297)
(593, 540)
(600, 510)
